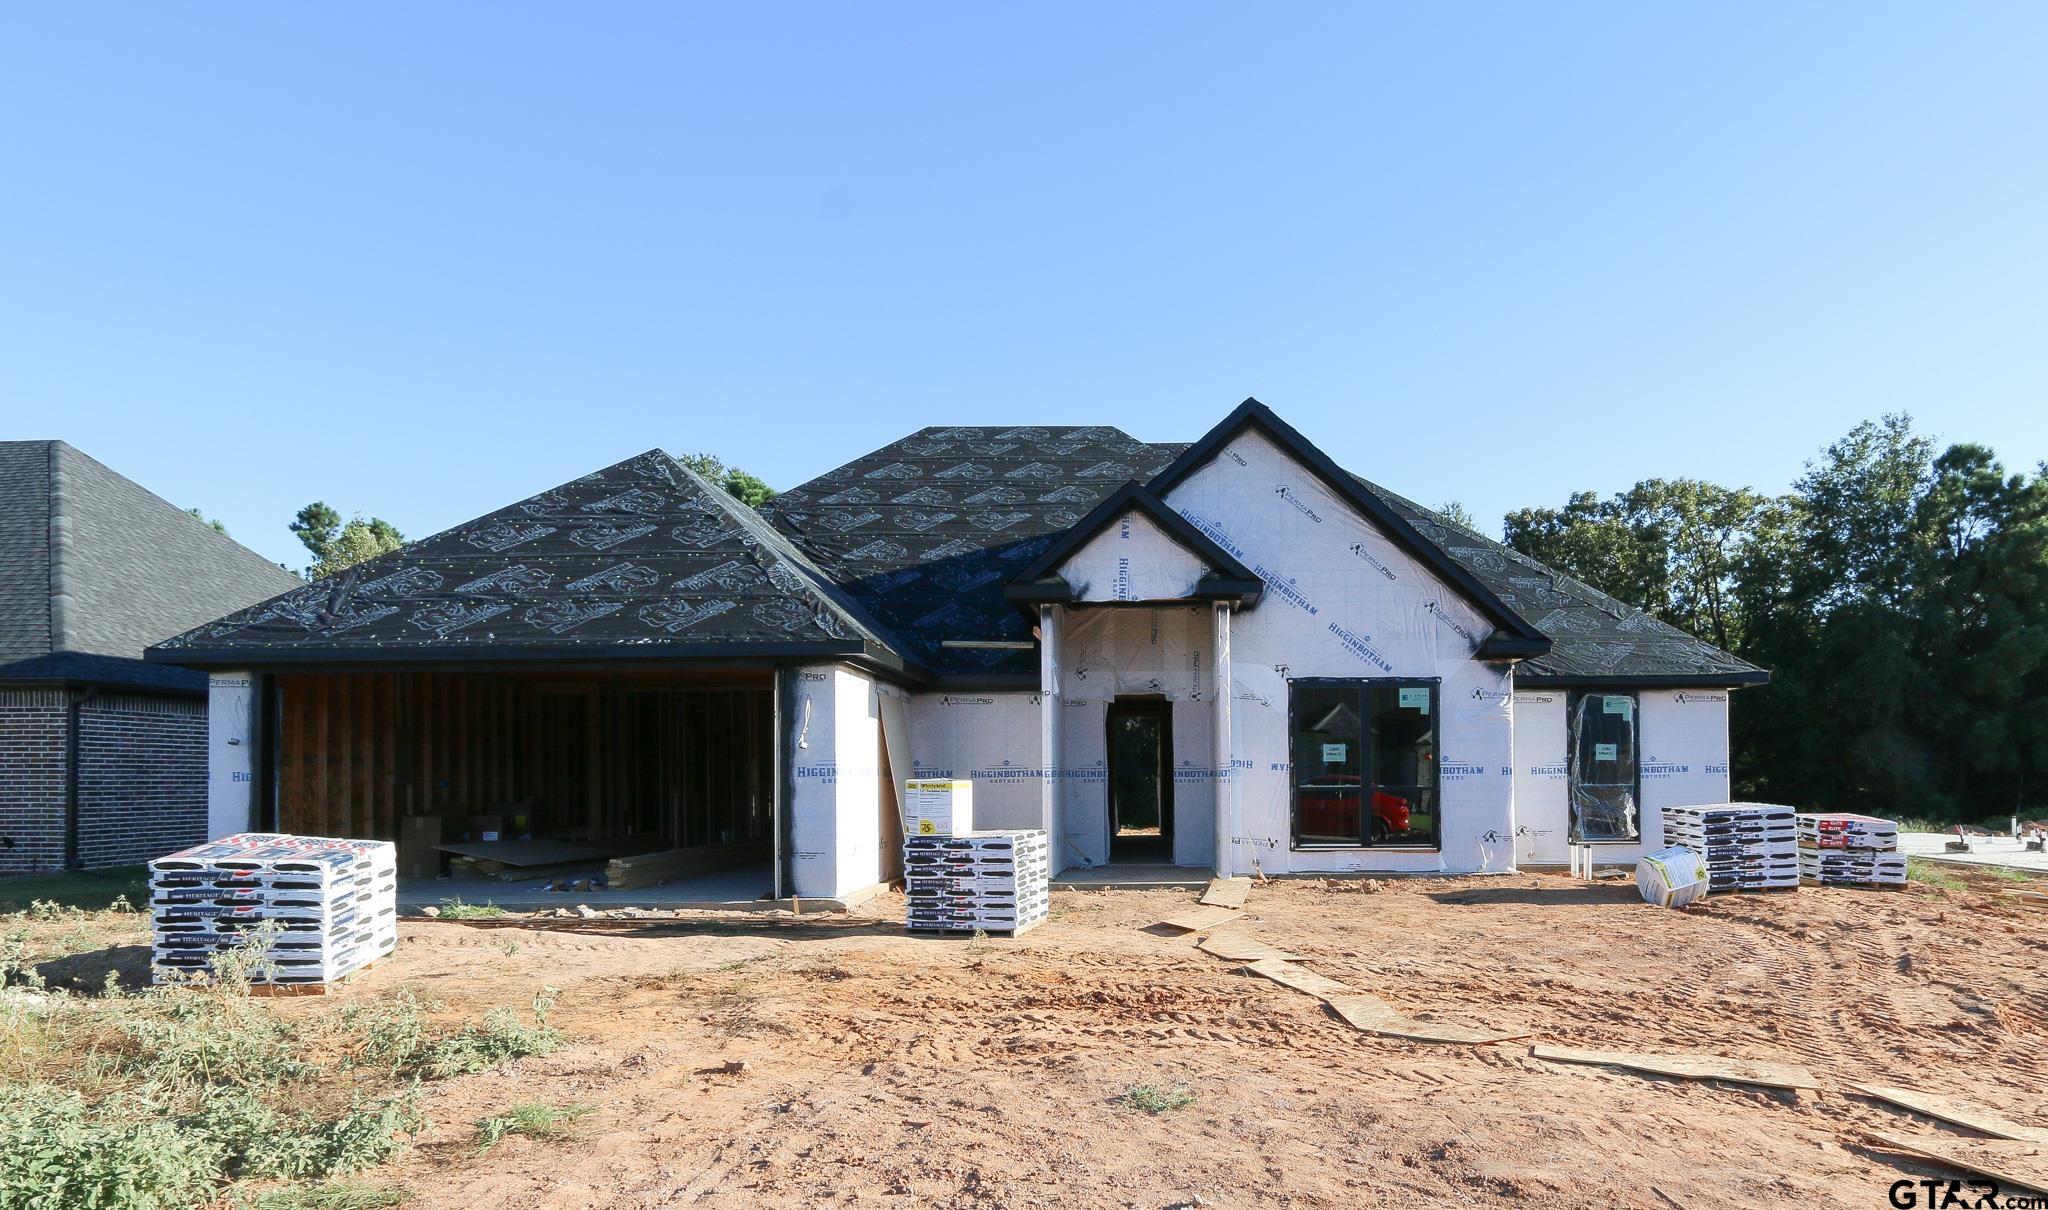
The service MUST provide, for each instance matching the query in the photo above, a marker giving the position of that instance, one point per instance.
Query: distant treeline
(1898, 595)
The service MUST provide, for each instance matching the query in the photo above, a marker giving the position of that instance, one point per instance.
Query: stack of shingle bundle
(328, 906)
(1840, 849)
(994, 882)
(1747, 846)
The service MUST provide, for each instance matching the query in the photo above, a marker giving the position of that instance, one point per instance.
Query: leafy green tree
(336, 545)
(1455, 512)
(213, 521)
(1671, 546)
(1899, 596)
(740, 485)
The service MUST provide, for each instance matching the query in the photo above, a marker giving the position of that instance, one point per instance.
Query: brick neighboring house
(103, 756)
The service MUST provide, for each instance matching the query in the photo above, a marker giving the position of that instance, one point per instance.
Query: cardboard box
(935, 807)
(419, 840)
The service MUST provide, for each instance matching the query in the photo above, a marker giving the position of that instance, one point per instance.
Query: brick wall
(141, 778)
(31, 779)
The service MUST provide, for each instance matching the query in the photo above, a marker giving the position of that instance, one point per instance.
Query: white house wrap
(1231, 655)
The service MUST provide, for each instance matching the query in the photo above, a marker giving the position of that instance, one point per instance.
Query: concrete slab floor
(1984, 850)
(739, 889)
(1131, 876)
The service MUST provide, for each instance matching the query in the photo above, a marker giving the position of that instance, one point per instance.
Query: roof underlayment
(901, 554)
(644, 558)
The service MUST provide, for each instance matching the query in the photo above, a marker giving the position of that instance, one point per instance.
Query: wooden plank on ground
(2024, 1165)
(1372, 1015)
(1300, 978)
(1954, 1110)
(1201, 919)
(1236, 947)
(1227, 892)
(1687, 1067)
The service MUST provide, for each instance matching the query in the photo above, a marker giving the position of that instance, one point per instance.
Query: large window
(1364, 762)
(1605, 784)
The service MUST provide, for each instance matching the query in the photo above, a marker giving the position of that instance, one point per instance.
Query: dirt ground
(884, 1069)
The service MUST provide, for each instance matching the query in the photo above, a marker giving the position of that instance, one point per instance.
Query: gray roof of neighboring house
(643, 559)
(95, 568)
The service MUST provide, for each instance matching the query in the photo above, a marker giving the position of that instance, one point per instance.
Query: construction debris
(1368, 1013)
(2019, 1165)
(1687, 1067)
(1235, 947)
(1227, 892)
(1954, 1110)
(1300, 978)
(1201, 919)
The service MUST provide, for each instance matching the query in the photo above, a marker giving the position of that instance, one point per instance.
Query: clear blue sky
(421, 260)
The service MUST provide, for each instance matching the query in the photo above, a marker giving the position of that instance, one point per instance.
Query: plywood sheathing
(1236, 947)
(1201, 919)
(1368, 1013)
(1688, 1067)
(1227, 892)
(2024, 1165)
(1954, 1110)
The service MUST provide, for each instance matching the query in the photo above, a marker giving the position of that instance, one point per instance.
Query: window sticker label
(1605, 752)
(1415, 699)
(1618, 705)
(1333, 754)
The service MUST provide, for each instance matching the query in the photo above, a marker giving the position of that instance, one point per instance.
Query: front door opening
(1141, 780)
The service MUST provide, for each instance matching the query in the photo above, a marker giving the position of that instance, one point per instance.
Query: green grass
(1156, 1099)
(186, 1095)
(535, 1120)
(90, 889)
(456, 909)
(1928, 873)
(333, 1195)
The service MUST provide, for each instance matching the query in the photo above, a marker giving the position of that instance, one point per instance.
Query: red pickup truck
(1329, 807)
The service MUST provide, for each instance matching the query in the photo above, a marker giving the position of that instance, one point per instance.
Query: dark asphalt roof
(925, 531)
(901, 550)
(95, 568)
(641, 559)
(1593, 636)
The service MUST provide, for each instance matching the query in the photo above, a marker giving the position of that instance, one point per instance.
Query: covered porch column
(1050, 620)
(1226, 779)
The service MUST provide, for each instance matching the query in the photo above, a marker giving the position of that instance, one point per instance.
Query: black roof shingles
(925, 531)
(894, 553)
(94, 568)
(644, 558)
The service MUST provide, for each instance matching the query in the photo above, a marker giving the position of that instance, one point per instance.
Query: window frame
(1572, 699)
(1363, 685)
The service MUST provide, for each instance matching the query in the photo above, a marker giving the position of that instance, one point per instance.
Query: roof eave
(479, 653)
(1688, 680)
(1498, 646)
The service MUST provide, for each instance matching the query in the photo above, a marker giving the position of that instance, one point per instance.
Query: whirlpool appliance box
(938, 808)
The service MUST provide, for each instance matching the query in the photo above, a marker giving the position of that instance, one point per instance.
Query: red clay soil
(883, 1069)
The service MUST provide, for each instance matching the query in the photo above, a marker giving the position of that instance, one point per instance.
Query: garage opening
(524, 777)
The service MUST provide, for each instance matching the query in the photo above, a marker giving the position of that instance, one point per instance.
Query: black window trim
(1572, 697)
(1435, 685)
